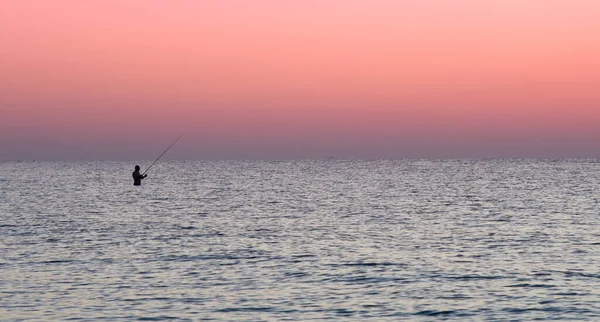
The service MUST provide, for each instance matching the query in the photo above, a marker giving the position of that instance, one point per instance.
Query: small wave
(568, 294)
(209, 234)
(57, 261)
(435, 313)
(303, 256)
(158, 318)
(552, 309)
(246, 309)
(455, 297)
(475, 277)
(296, 274)
(532, 285)
(185, 227)
(361, 279)
(581, 274)
(192, 258)
(370, 264)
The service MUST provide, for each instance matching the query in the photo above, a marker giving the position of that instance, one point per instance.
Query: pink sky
(271, 79)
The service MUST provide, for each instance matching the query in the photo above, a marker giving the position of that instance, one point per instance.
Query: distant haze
(261, 79)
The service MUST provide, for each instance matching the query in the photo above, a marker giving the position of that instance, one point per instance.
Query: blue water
(415, 240)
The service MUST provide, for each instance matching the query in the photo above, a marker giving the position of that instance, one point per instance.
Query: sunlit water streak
(305, 240)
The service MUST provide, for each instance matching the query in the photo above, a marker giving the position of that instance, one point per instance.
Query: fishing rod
(162, 154)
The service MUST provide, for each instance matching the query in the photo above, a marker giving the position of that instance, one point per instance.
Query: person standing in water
(137, 177)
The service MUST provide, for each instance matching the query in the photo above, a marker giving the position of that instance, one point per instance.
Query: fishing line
(162, 154)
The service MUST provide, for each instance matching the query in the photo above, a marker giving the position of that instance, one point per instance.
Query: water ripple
(422, 240)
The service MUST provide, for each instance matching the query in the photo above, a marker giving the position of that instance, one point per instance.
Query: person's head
(137, 168)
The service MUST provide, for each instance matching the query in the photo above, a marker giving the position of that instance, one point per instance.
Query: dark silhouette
(137, 177)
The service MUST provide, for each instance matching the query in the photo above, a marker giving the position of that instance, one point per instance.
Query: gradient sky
(273, 79)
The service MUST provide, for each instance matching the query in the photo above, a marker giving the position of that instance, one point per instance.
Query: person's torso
(137, 178)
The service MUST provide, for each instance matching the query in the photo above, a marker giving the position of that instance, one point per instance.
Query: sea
(313, 240)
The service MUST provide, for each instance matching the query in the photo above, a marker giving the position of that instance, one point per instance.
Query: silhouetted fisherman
(137, 177)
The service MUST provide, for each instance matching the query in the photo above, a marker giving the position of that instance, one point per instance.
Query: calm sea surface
(294, 241)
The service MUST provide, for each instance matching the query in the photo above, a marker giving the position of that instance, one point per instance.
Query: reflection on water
(269, 241)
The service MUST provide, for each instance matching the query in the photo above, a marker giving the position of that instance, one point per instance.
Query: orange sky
(270, 79)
